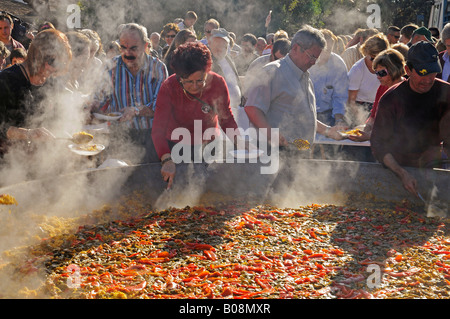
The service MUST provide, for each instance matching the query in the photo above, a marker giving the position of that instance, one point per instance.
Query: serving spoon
(79, 138)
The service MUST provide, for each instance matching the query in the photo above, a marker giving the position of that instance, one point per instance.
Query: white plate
(107, 117)
(97, 128)
(344, 134)
(78, 149)
(246, 153)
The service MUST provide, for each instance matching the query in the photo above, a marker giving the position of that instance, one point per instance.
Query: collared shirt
(286, 96)
(352, 55)
(446, 67)
(330, 85)
(128, 90)
(15, 45)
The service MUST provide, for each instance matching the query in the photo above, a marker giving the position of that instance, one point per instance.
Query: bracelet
(166, 160)
(326, 131)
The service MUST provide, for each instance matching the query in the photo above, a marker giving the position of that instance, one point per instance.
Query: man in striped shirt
(134, 81)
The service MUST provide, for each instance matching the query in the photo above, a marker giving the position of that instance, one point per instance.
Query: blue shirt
(330, 85)
(128, 90)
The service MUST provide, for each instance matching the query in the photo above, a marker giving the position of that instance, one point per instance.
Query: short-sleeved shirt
(411, 126)
(363, 81)
(286, 96)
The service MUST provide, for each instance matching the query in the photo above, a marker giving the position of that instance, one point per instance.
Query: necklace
(189, 95)
(206, 108)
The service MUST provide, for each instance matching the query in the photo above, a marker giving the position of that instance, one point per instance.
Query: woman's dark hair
(191, 57)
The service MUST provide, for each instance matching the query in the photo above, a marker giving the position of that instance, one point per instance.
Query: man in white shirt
(284, 97)
(189, 21)
(224, 66)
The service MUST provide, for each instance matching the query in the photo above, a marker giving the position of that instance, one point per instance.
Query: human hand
(333, 132)
(268, 19)
(364, 136)
(168, 171)
(283, 141)
(409, 183)
(128, 114)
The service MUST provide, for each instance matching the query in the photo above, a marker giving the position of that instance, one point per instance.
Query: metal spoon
(420, 196)
(79, 138)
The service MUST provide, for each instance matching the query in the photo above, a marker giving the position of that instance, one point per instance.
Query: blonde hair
(374, 45)
(280, 34)
(329, 36)
(393, 61)
(49, 46)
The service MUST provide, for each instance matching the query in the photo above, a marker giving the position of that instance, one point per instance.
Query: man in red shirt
(412, 126)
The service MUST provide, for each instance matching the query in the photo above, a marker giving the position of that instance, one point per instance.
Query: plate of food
(112, 116)
(246, 153)
(355, 132)
(86, 149)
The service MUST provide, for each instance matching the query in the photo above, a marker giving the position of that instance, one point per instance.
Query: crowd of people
(392, 84)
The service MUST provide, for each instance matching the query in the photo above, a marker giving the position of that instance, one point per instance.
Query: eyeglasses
(311, 57)
(382, 73)
(171, 36)
(191, 82)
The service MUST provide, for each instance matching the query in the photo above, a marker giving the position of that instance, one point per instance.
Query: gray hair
(445, 35)
(307, 37)
(140, 29)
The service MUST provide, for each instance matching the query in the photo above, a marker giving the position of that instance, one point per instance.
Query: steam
(49, 180)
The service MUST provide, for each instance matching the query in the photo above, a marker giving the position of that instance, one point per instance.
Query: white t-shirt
(363, 81)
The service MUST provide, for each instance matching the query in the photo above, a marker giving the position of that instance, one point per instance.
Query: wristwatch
(166, 160)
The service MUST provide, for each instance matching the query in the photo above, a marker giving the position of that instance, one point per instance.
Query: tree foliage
(242, 16)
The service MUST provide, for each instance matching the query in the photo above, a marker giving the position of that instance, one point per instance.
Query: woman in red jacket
(192, 98)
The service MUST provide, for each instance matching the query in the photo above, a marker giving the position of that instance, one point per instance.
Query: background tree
(242, 16)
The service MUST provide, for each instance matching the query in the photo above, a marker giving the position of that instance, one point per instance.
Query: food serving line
(225, 230)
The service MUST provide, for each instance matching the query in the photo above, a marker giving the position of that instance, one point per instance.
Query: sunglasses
(171, 36)
(208, 31)
(382, 73)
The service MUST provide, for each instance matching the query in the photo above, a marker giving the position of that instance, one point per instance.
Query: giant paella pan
(314, 230)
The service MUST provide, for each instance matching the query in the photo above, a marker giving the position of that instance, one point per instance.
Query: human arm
(168, 169)
(257, 117)
(408, 181)
(329, 131)
(340, 91)
(37, 134)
